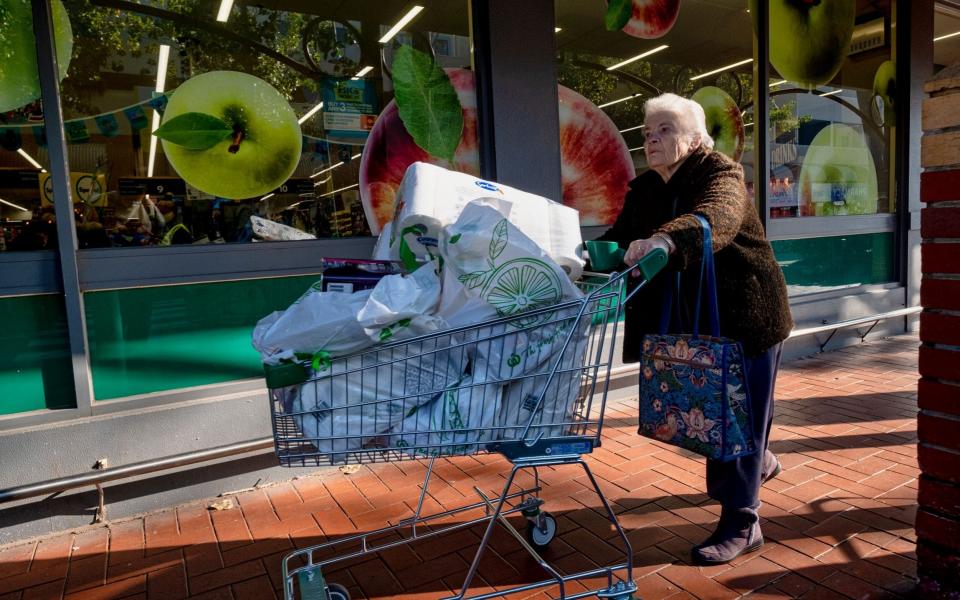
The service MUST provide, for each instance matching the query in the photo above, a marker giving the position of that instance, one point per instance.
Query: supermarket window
(831, 112)
(670, 48)
(946, 35)
(267, 123)
(27, 218)
(832, 195)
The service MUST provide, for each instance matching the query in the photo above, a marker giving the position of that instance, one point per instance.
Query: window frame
(72, 272)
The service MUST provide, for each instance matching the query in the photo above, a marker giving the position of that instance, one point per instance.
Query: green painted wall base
(164, 338)
(35, 371)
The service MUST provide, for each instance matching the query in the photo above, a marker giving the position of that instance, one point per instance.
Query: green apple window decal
(838, 175)
(19, 81)
(724, 121)
(645, 19)
(885, 90)
(809, 39)
(230, 134)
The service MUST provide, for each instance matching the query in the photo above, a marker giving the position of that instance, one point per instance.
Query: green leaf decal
(194, 131)
(618, 14)
(499, 240)
(427, 103)
(455, 238)
(473, 280)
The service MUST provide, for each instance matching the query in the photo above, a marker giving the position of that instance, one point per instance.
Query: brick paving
(838, 520)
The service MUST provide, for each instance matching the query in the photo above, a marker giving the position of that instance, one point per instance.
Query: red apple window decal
(645, 19)
(596, 165)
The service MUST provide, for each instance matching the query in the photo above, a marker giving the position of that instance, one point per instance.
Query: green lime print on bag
(516, 286)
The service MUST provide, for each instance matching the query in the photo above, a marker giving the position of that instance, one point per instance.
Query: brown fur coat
(751, 291)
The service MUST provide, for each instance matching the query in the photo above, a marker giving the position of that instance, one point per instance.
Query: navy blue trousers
(736, 484)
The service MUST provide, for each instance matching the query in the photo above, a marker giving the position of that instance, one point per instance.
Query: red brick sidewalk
(838, 520)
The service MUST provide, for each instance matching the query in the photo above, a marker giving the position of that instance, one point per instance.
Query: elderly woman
(685, 178)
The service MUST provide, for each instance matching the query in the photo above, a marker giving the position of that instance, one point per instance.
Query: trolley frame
(302, 568)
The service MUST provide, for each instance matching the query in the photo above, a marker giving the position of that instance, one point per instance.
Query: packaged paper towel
(491, 268)
(453, 423)
(351, 401)
(503, 353)
(431, 197)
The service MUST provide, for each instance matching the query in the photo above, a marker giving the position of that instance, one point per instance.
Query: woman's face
(667, 141)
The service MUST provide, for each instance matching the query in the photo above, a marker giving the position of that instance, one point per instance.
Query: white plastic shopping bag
(317, 321)
(398, 297)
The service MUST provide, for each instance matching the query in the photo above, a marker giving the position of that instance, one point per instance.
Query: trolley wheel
(335, 591)
(541, 538)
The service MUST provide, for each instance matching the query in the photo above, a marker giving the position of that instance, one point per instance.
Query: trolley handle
(651, 264)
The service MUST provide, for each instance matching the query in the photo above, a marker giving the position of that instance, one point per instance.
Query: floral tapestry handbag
(693, 389)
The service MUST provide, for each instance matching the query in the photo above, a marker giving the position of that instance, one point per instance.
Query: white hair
(691, 115)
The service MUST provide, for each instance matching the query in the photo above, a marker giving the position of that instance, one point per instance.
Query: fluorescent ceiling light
(949, 35)
(632, 128)
(270, 195)
(163, 59)
(557, 29)
(362, 72)
(319, 183)
(30, 159)
(635, 149)
(224, 13)
(152, 158)
(310, 113)
(330, 168)
(413, 12)
(356, 156)
(624, 99)
(830, 93)
(745, 125)
(776, 83)
(17, 206)
(722, 69)
(343, 189)
(638, 57)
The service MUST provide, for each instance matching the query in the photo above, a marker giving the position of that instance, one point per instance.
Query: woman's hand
(640, 248)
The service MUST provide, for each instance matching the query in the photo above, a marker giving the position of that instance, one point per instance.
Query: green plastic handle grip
(652, 263)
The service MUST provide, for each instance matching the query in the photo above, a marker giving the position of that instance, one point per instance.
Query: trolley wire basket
(530, 386)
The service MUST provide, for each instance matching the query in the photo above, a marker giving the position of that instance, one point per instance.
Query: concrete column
(938, 517)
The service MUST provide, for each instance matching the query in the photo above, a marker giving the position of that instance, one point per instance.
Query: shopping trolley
(531, 386)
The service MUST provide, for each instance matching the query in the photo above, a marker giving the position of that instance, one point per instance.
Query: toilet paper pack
(431, 198)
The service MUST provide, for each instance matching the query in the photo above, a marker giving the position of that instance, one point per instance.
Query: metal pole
(761, 111)
(482, 61)
(63, 204)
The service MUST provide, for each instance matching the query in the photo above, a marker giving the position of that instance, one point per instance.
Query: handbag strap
(671, 292)
(671, 297)
(708, 282)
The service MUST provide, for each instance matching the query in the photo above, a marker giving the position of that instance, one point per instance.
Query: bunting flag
(76, 132)
(108, 125)
(10, 139)
(158, 102)
(137, 117)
